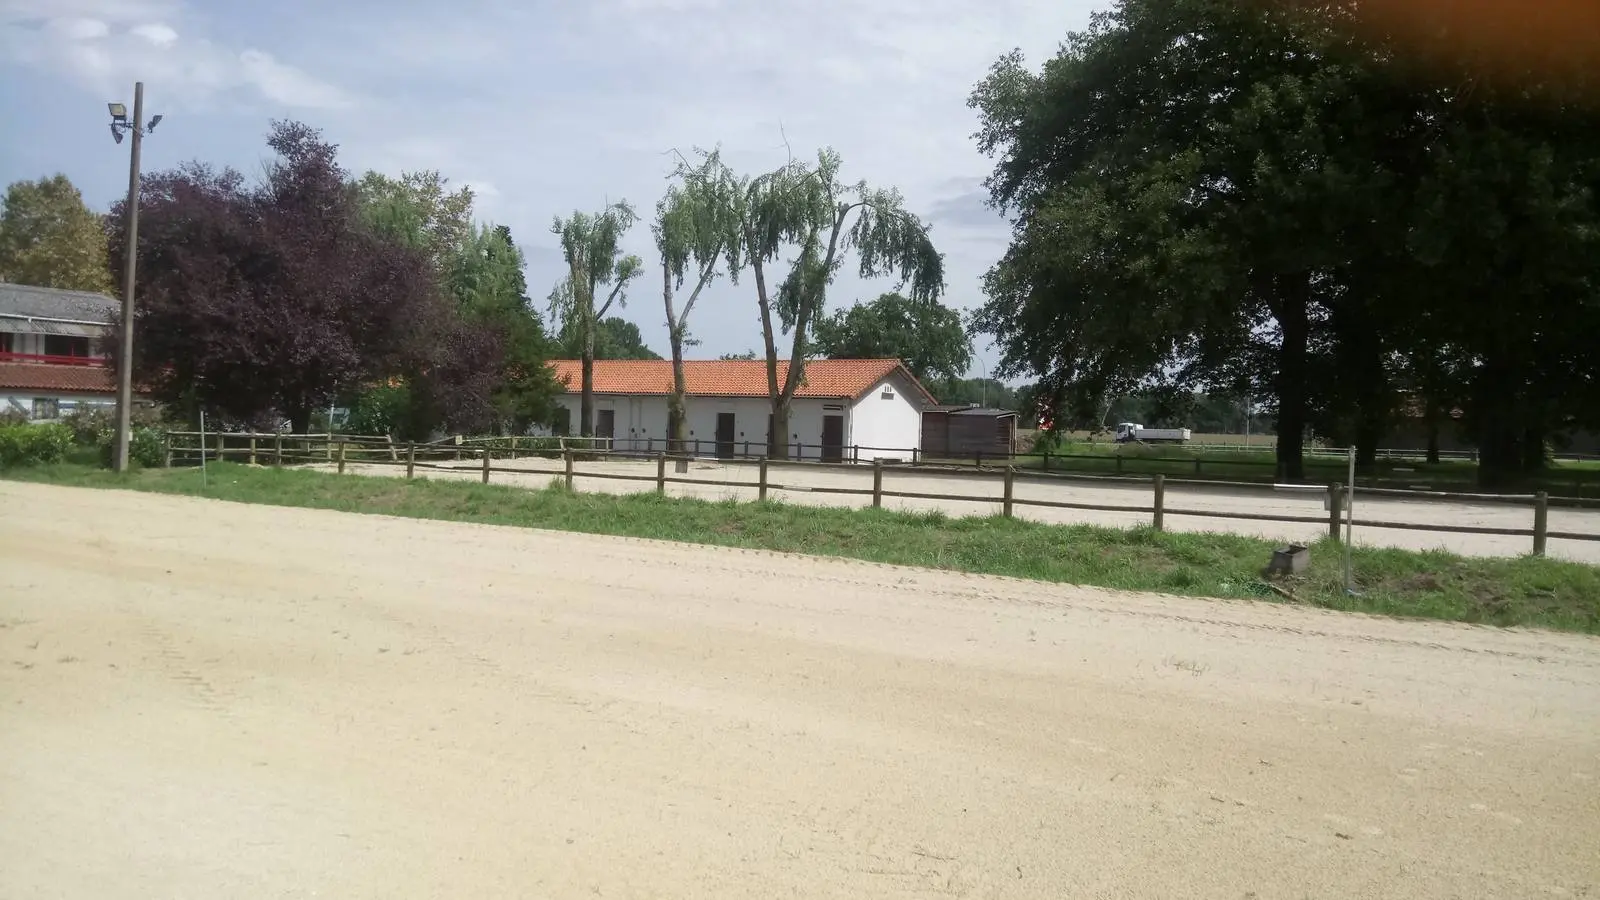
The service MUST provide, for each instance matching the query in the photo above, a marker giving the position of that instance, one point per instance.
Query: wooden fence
(183, 448)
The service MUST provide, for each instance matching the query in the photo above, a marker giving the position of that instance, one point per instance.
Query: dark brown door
(724, 435)
(605, 423)
(833, 438)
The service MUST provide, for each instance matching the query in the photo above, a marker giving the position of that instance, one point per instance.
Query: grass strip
(1526, 591)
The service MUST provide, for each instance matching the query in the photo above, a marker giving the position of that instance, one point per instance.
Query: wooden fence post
(978, 459)
(1335, 502)
(1541, 522)
(1197, 466)
(277, 450)
(1011, 482)
(411, 458)
(761, 490)
(252, 449)
(1160, 485)
(916, 456)
(661, 475)
(1119, 463)
(167, 448)
(221, 457)
(486, 457)
(877, 484)
(1047, 460)
(568, 454)
(341, 457)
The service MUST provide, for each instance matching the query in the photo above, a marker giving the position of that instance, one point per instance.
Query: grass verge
(1509, 592)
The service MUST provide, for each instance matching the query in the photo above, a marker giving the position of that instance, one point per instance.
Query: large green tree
(696, 233)
(591, 243)
(928, 337)
(419, 208)
(806, 216)
(614, 338)
(49, 238)
(490, 372)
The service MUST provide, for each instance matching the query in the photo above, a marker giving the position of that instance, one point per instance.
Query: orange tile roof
(823, 378)
(68, 379)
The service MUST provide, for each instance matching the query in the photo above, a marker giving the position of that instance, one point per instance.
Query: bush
(148, 448)
(34, 445)
(91, 426)
(1046, 442)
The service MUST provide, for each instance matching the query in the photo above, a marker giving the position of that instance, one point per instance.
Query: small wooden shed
(960, 432)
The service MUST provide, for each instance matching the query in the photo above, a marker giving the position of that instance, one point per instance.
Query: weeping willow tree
(592, 246)
(696, 232)
(806, 211)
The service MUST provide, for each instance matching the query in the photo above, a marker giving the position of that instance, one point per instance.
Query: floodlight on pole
(120, 123)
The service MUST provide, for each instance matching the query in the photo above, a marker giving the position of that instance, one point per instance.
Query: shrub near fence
(34, 445)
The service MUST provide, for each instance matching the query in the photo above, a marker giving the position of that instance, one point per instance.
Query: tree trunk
(677, 404)
(586, 400)
(1534, 456)
(300, 420)
(780, 430)
(1430, 416)
(1499, 427)
(778, 446)
(1295, 327)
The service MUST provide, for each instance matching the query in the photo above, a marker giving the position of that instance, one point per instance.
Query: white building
(51, 359)
(846, 409)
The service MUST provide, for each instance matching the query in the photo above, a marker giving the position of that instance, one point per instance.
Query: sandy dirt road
(205, 700)
(710, 479)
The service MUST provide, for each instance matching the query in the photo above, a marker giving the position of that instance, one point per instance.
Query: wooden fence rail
(447, 458)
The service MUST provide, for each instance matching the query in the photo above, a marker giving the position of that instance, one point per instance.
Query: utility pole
(119, 125)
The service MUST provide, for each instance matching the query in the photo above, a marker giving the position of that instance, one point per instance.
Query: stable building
(968, 432)
(844, 410)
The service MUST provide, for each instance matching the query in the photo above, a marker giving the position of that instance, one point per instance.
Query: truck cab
(1127, 431)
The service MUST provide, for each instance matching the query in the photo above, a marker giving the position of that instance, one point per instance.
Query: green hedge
(148, 448)
(34, 445)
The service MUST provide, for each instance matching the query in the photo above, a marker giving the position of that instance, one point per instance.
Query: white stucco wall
(887, 428)
(641, 422)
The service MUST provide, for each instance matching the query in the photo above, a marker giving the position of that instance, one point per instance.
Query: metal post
(486, 457)
(411, 459)
(205, 479)
(1160, 485)
(1350, 523)
(119, 461)
(1335, 500)
(661, 475)
(341, 457)
(1011, 481)
(761, 491)
(1541, 522)
(877, 484)
(568, 455)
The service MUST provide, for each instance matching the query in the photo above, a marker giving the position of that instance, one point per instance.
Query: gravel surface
(202, 699)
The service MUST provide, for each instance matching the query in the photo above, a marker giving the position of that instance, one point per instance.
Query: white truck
(1131, 432)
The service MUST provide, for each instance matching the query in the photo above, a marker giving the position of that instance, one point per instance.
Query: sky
(543, 107)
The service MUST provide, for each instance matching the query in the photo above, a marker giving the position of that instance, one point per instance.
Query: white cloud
(156, 33)
(79, 29)
(547, 106)
(103, 45)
